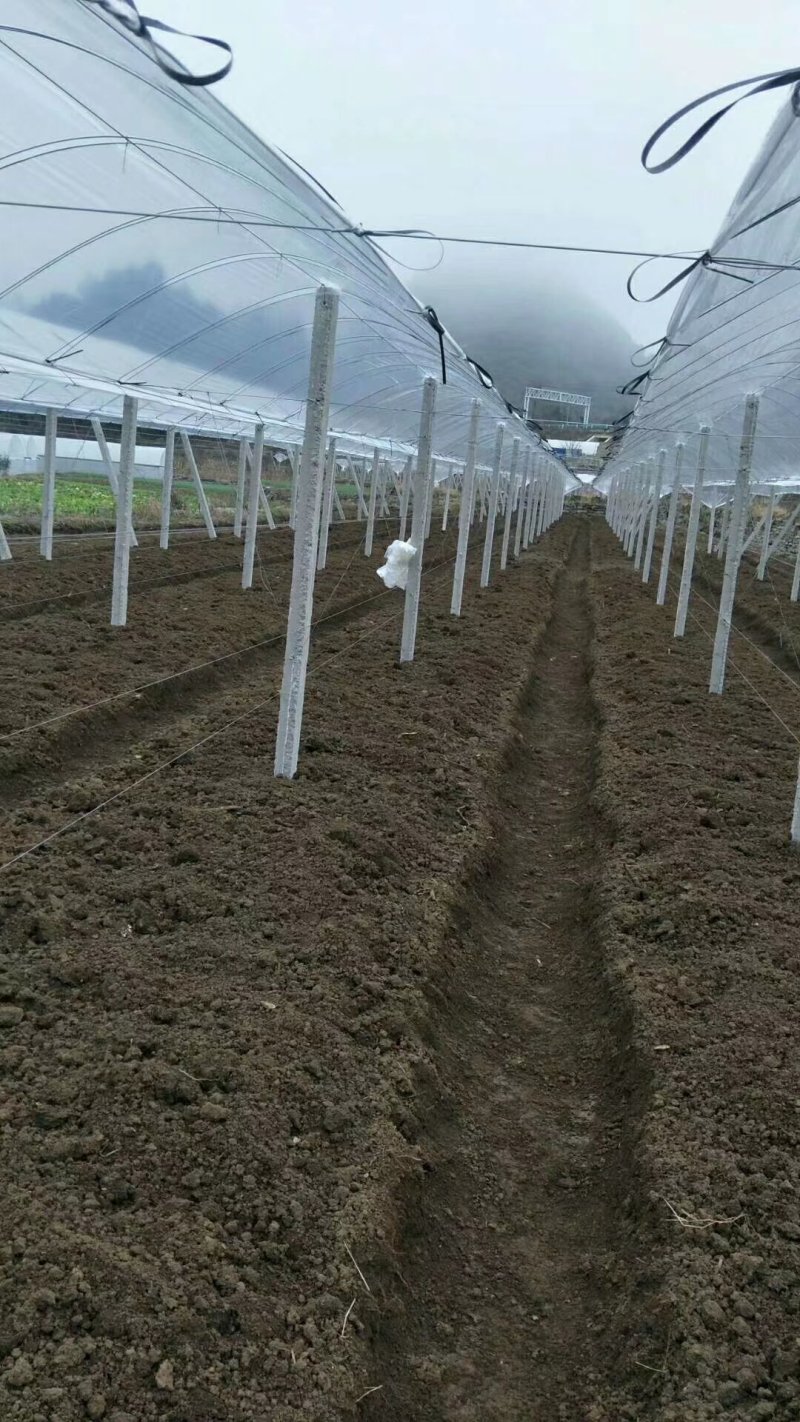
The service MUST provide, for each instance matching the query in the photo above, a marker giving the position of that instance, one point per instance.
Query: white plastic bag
(398, 561)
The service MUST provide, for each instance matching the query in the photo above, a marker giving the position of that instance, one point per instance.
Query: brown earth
(455, 1080)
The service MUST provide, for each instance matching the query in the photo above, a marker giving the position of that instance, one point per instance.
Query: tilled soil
(454, 1080)
(701, 925)
(211, 992)
(522, 1262)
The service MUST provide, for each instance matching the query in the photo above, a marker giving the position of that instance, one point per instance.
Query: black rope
(434, 321)
(763, 84)
(632, 387)
(140, 25)
(660, 342)
(484, 376)
(314, 180)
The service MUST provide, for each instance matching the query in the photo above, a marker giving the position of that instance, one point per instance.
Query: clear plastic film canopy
(154, 246)
(735, 331)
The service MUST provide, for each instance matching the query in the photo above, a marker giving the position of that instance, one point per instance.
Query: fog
(527, 329)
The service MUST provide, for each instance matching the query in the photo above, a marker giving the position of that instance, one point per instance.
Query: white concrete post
(512, 489)
(613, 513)
(735, 539)
(251, 533)
(621, 504)
(336, 500)
(431, 492)
(122, 543)
(375, 480)
(784, 533)
(526, 505)
(293, 451)
(446, 510)
(723, 537)
(465, 510)
(795, 831)
(525, 493)
(5, 551)
(198, 485)
(755, 533)
(793, 596)
(762, 562)
(534, 502)
(641, 510)
(669, 532)
(108, 465)
(538, 512)
(555, 500)
(263, 499)
(494, 494)
(644, 509)
(49, 485)
(539, 506)
(712, 518)
(691, 533)
(166, 487)
(655, 505)
(422, 477)
(327, 505)
(632, 520)
(631, 505)
(483, 502)
(307, 531)
(241, 477)
(612, 502)
(386, 476)
(262, 493)
(361, 512)
(481, 507)
(405, 495)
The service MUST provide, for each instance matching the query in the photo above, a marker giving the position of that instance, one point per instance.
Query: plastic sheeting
(735, 330)
(396, 568)
(153, 245)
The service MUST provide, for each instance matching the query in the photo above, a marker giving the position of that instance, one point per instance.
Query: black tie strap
(763, 83)
(486, 379)
(440, 331)
(140, 25)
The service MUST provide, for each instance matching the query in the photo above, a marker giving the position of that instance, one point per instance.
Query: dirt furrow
(211, 994)
(99, 589)
(97, 753)
(759, 612)
(517, 1260)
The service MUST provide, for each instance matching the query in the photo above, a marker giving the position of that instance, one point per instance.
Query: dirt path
(515, 1260)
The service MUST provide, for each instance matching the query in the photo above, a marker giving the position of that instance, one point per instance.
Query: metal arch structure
(557, 397)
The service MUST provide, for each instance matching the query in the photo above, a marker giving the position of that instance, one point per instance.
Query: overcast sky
(516, 119)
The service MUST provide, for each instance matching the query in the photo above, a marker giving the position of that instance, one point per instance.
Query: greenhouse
(400, 793)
